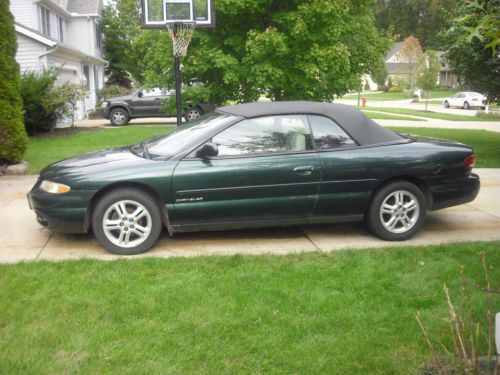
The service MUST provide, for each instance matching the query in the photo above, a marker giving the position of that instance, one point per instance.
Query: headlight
(54, 187)
(104, 104)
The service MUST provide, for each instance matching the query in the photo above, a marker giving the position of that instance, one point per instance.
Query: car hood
(120, 98)
(106, 164)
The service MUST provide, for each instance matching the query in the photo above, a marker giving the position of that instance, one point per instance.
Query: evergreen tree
(13, 138)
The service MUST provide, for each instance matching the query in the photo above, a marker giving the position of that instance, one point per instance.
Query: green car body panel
(294, 188)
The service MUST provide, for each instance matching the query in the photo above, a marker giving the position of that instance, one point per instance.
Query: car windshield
(165, 146)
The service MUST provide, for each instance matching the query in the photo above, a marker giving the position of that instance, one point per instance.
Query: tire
(122, 235)
(466, 105)
(446, 104)
(379, 219)
(193, 113)
(119, 117)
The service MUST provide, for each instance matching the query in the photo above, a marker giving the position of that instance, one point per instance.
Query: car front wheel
(446, 104)
(119, 117)
(397, 211)
(192, 114)
(127, 221)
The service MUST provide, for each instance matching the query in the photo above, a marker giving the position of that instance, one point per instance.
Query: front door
(148, 104)
(266, 170)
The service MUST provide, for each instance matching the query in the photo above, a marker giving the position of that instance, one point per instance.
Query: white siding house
(64, 35)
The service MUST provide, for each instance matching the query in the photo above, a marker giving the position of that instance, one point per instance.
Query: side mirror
(140, 94)
(207, 150)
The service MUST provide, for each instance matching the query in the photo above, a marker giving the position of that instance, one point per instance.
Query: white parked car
(466, 100)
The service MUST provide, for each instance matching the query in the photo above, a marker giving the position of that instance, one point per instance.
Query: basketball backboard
(156, 14)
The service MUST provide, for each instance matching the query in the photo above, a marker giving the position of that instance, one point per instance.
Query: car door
(147, 103)
(347, 182)
(266, 170)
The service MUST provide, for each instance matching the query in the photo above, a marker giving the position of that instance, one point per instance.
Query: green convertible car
(256, 165)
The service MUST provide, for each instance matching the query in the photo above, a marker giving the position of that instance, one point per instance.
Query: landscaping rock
(16, 169)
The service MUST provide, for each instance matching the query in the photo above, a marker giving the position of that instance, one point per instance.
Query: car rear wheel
(466, 105)
(397, 211)
(446, 104)
(127, 221)
(119, 117)
(193, 113)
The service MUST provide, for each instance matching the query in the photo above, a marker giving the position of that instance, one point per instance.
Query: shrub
(43, 103)
(396, 89)
(110, 91)
(13, 139)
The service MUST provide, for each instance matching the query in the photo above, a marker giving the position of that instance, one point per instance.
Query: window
(44, 21)
(150, 93)
(265, 135)
(60, 28)
(86, 73)
(98, 35)
(327, 134)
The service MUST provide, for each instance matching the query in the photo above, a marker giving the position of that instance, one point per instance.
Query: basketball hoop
(181, 34)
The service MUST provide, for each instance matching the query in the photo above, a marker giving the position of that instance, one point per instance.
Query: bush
(44, 105)
(396, 89)
(13, 139)
(383, 88)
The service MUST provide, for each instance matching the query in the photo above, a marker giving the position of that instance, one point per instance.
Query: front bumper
(63, 213)
(455, 192)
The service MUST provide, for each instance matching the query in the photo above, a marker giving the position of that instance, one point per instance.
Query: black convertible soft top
(352, 120)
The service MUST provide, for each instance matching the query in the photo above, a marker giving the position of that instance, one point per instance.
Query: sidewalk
(23, 239)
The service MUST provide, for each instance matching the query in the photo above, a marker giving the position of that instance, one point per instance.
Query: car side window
(272, 134)
(327, 134)
(151, 93)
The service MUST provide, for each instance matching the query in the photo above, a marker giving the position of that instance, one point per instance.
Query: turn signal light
(470, 161)
(54, 187)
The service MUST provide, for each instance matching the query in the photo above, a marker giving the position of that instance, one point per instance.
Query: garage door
(66, 76)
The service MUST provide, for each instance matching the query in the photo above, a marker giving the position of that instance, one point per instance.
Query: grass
(385, 116)
(45, 150)
(389, 96)
(486, 144)
(349, 312)
(428, 114)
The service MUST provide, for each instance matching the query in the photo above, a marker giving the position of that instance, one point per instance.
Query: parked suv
(147, 103)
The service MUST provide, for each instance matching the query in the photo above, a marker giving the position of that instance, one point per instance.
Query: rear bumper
(455, 192)
(64, 213)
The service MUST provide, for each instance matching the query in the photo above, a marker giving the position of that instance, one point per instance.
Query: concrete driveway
(23, 239)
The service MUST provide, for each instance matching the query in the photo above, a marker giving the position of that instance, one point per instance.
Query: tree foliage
(428, 73)
(294, 49)
(410, 53)
(473, 59)
(422, 18)
(13, 139)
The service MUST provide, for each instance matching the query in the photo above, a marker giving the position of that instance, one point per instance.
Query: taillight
(470, 161)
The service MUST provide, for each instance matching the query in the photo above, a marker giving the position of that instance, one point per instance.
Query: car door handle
(305, 171)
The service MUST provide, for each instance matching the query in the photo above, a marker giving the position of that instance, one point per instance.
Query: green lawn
(386, 116)
(389, 96)
(428, 114)
(348, 312)
(486, 144)
(45, 150)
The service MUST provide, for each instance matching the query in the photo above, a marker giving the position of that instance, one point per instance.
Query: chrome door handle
(305, 171)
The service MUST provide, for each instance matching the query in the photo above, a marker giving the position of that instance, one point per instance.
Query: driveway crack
(44, 245)
(310, 239)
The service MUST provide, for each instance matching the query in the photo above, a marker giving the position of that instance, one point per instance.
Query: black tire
(105, 206)
(446, 104)
(193, 113)
(466, 105)
(119, 117)
(374, 217)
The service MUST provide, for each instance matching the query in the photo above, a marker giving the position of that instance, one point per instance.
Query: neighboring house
(396, 66)
(64, 35)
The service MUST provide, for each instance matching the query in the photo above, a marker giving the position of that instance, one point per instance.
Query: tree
(119, 30)
(379, 72)
(473, 59)
(428, 73)
(284, 50)
(411, 53)
(13, 138)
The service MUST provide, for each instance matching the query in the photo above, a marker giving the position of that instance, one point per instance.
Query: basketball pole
(177, 77)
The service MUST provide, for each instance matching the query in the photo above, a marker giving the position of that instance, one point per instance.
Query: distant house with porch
(64, 35)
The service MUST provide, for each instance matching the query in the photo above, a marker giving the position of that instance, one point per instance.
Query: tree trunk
(278, 95)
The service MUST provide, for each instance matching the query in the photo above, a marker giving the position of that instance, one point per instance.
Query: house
(64, 35)
(397, 66)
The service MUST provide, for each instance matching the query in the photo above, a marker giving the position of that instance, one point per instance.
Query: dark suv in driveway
(147, 103)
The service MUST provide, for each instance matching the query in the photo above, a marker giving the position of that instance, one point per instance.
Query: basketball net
(181, 34)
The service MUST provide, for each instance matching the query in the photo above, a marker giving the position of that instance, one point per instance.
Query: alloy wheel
(193, 114)
(118, 117)
(127, 223)
(399, 211)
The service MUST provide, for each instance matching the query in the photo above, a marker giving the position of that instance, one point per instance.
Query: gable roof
(352, 120)
(83, 6)
(394, 50)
